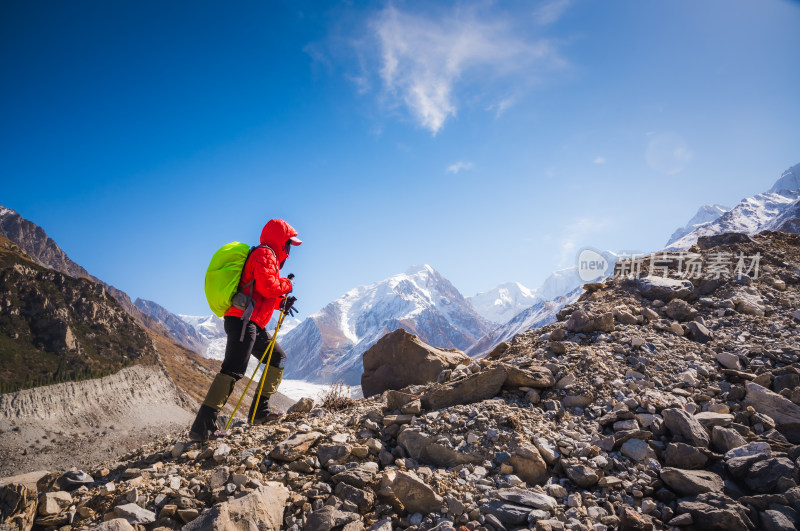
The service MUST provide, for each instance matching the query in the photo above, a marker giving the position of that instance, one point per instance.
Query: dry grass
(337, 397)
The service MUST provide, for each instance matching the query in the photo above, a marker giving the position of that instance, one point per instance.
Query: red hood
(275, 234)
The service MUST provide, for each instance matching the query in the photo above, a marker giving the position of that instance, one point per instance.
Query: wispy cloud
(550, 12)
(459, 166)
(502, 106)
(423, 60)
(599, 160)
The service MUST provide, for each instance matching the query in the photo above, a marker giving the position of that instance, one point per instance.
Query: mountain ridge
(34, 240)
(753, 214)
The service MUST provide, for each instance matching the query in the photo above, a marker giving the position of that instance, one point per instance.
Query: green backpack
(224, 274)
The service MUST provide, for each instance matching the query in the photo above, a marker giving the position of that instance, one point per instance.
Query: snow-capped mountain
(212, 329)
(774, 209)
(501, 304)
(538, 315)
(705, 215)
(327, 346)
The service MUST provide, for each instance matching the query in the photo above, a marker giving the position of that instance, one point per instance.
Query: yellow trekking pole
(271, 348)
(268, 351)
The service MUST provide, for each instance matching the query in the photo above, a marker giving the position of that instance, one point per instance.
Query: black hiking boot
(264, 413)
(205, 425)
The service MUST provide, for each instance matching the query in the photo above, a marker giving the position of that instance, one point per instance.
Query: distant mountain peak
(705, 214)
(775, 209)
(420, 269)
(503, 302)
(327, 346)
(788, 181)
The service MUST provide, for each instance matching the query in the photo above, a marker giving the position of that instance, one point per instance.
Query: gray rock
(691, 482)
(358, 477)
(583, 322)
(709, 419)
(637, 449)
(685, 427)
(783, 411)
(680, 310)
(218, 477)
(413, 493)
(328, 517)
(261, 509)
(363, 499)
(725, 439)
(295, 446)
(528, 498)
(583, 475)
(425, 449)
(776, 521)
(713, 511)
(304, 405)
(382, 525)
(529, 465)
(475, 388)
(507, 513)
(699, 332)
(221, 453)
(763, 476)
(51, 503)
(134, 514)
(536, 377)
(332, 453)
(665, 289)
(115, 524)
(729, 361)
(753, 449)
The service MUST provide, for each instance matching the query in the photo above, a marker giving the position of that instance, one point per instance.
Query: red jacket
(264, 265)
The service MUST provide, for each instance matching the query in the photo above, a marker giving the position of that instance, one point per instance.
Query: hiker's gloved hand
(287, 306)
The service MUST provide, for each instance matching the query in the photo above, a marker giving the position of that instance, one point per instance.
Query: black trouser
(237, 353)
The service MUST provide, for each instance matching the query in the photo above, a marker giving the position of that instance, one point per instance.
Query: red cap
(295, 240)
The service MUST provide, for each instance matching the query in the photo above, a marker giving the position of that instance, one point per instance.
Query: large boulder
(261, 509)
(400, 359)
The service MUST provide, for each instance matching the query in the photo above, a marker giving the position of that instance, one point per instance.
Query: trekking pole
(269, 348)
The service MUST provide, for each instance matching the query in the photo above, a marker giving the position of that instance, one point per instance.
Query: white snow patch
(297, 389)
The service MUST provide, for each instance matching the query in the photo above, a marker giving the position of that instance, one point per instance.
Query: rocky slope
(650, 404)
(67, 423)
(327, 346)
(35, 242)
(57, 328)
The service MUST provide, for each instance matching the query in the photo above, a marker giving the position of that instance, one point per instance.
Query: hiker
(246, 332)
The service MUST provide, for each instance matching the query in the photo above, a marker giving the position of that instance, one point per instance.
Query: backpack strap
(252, 285)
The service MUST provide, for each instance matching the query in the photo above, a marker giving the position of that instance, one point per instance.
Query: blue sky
(490, 140)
